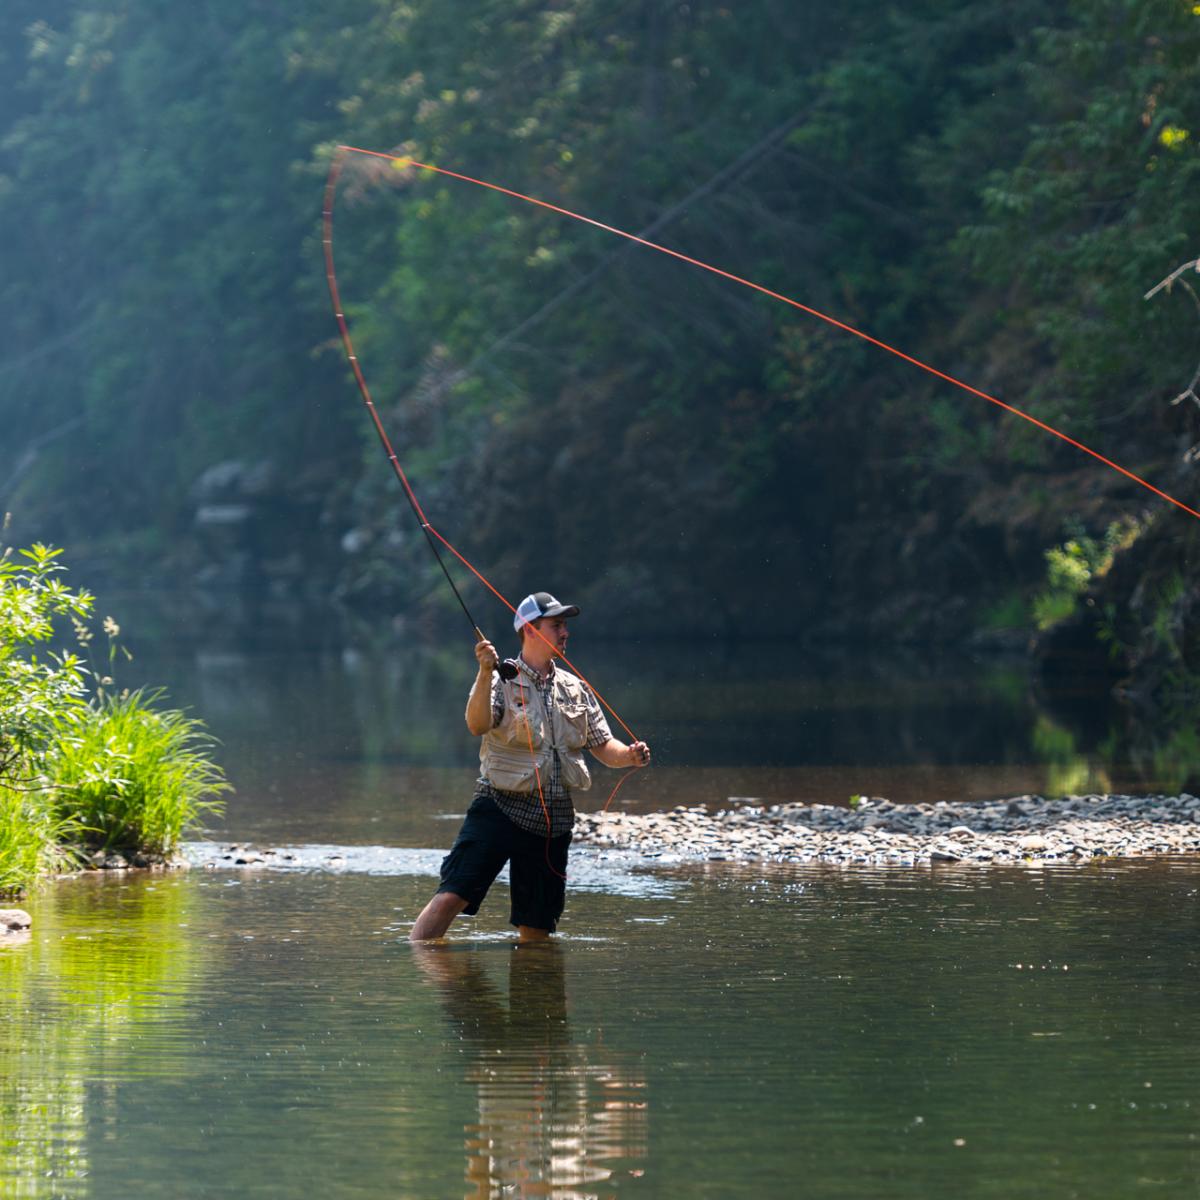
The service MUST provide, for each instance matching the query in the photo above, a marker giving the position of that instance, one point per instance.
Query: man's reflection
(551, 1122)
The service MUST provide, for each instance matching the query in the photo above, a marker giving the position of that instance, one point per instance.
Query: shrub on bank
(33, 840)
(133, 777)
(79, 765)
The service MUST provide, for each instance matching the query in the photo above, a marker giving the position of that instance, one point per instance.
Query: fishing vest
(506, 759)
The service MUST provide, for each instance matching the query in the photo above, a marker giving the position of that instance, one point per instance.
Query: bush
(38, 698)
(114, 771)
(31, 838)
(133, 776)
(1071, 567)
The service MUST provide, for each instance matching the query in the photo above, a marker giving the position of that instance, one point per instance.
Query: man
(534, 729)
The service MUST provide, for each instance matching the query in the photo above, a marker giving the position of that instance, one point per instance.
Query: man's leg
(538, 879)
(437, 916)
(476, 858)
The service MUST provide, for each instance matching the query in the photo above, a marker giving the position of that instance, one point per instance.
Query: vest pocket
(511, 768)
(574, 725)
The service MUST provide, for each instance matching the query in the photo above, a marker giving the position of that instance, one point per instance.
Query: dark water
(707, 1032)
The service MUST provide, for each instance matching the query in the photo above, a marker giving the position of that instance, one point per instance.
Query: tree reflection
(553, 1121)
(98, 972)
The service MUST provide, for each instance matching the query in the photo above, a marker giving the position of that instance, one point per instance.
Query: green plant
(134, 776)
(1007, 611)
(1164, 618)
(1071, 567)
(31, 838)
(39, 698)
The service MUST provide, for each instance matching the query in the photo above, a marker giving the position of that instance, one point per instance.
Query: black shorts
(537, 866)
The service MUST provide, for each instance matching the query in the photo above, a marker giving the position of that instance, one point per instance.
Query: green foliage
(134, 776)
(39, 697)
(1007, 611)
(114, 769)
(1163, 620)
(1102, 201)
(1071, 568)
(31, 838)
(991, 188)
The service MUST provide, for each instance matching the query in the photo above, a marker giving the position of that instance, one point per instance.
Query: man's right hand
(486, 655)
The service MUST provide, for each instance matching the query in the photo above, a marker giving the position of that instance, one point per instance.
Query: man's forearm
(616, 754)
(479, 704)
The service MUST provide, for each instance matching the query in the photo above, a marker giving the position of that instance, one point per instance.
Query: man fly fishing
(534, 729)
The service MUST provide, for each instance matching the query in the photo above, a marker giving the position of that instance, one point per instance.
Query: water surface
(709, 1031)
(817, 1032)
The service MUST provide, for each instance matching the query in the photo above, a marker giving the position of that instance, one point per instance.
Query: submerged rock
(14, 922)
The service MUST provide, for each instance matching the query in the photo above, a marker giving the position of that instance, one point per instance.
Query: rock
(14, 921)
(116, 862)
(1033, 844)
(963, 832)
(944, 854)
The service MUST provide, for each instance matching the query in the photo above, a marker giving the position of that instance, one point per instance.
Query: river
(696, 1031)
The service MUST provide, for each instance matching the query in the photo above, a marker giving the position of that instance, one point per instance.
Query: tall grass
(32, 834)
(133, 776)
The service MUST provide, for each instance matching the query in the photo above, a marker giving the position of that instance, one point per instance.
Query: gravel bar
(878, 832)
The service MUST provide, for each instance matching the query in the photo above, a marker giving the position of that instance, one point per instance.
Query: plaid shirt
(525, 809)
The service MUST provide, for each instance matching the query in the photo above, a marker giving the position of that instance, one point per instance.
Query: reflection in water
(1069, 771)
(810, 1032)
(552, 1122)
(365, 747)
(78, 997)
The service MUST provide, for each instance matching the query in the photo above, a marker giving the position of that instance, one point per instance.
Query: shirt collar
(540, 680)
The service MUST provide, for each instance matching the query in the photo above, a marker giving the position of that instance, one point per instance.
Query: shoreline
(878, 832)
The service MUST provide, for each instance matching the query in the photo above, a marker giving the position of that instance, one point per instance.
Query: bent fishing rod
(506, 667)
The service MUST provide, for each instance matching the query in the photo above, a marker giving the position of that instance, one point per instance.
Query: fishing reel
(507, 669)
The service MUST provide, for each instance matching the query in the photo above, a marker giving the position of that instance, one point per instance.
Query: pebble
(877, 831)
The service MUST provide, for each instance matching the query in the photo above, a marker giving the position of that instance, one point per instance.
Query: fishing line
(402, 162)
(537, 778)
(505, 668)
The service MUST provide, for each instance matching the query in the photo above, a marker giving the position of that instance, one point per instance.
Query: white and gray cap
(541, 604)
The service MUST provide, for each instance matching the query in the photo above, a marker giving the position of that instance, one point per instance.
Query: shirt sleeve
(598, 731)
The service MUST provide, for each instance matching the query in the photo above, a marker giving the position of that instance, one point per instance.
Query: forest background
(991, 188)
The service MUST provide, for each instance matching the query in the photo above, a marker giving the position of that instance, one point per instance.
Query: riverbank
(879, 832)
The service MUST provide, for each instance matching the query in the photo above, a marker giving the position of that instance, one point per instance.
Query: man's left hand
(639, 755)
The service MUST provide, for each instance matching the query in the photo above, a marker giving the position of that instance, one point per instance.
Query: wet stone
(14, 921)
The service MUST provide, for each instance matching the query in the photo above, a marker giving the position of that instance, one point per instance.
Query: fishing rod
(506, 667)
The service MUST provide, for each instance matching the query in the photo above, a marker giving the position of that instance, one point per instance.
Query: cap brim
(562, 610)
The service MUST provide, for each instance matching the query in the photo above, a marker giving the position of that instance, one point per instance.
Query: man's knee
(437, 915)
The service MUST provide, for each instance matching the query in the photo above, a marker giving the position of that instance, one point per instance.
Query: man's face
(553, 629)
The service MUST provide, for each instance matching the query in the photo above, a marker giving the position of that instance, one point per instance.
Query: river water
(704, 1030)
